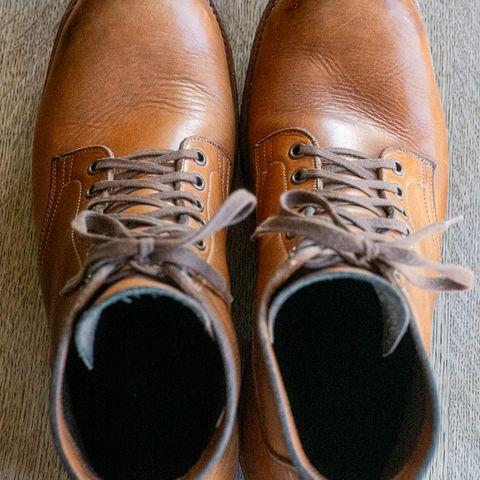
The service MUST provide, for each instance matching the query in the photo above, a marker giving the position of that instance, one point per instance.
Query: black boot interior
(150, 405)
(358, 414)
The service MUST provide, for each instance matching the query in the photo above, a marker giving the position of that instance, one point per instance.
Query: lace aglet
(454, 221)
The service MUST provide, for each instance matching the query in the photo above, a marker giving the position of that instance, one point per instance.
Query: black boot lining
(150, 406)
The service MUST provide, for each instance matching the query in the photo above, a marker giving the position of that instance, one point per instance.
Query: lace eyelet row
(399, 171)
(200, 186)
(202, 160)
(195, 178)
(198, 183)
(91, 171)
(295, 154)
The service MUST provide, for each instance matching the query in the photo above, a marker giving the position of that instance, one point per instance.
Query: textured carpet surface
(27, 29)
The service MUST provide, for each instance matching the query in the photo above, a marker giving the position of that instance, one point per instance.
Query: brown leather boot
(348, 155)
(135, 144)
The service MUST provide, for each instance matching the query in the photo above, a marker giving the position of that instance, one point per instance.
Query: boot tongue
(395, 311)
(396, 317)
(126, 291)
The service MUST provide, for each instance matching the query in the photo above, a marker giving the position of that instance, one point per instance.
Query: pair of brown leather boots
(133, 159)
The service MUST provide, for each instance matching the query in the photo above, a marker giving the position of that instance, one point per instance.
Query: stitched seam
(47, 220)
(425, 199)
(256, 167)
(229, 173)
(285, 185)
(432, 194)
(222, 164)
(220, 171)
(88, 150)
(419, 174)
(434, 211)
(77, 211)
(282, 237)
(269, 160)
(264, 170)
(288, 132)
(51, 197)
(209, 195)
(213, 144)
(209, 213)
(70, 165)
(435, 239)
(270, 153)
(424, 195)
(52, 217)
(413, 154)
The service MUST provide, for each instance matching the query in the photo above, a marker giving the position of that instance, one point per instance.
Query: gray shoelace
(158, 242)
(359, 236)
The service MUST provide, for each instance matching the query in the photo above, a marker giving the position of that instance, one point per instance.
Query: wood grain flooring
(27, 29)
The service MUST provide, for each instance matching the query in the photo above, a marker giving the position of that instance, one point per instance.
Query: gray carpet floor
(27, 29)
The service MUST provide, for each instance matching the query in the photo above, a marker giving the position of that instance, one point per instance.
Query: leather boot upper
(350, 75)
(126, 77)
(339, 77)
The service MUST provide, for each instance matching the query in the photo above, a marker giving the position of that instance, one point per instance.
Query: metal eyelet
(399, 170)
(408, 232)
(92, 169)
(90, 193)
(199, 205)
(400, 193)
(199, 183)
(202, 158)
(296, 177)
(201, 245)
(294, 152)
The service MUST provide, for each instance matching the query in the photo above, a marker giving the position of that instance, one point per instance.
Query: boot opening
(358, 415)
(150, 406)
